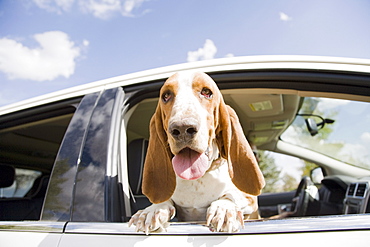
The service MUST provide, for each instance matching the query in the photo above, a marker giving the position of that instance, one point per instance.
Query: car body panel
(354, 238)
(301, 231)
(296, 225)
(33, 234)
(30, 239)
(305, 231)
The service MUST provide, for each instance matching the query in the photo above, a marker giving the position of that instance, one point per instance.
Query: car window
(334, 127)
(24, 180)
(267, 132)
(282, 172)
(29, 143)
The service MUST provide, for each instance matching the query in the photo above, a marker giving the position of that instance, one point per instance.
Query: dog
(199, 165)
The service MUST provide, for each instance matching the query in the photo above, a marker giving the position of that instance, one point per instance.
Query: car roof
(314, 63)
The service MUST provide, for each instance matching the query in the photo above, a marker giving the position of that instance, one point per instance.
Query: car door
(84, 184)
(48, 231)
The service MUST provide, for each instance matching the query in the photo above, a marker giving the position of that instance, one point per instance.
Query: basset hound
(199, 164)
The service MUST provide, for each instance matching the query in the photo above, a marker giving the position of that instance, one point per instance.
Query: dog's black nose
(183, 130)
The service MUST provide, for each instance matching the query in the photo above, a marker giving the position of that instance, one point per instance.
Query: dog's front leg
(228, 212)
(154, 218)
(224, 216)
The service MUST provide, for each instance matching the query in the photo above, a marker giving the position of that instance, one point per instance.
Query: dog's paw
(224, 216)
(153, 218)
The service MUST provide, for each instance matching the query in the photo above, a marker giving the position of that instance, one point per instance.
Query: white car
(71, 161)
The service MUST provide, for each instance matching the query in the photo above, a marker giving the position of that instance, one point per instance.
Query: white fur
(202, 192)
(188, 107)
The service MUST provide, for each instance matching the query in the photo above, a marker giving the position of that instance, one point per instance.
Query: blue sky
(47, 45)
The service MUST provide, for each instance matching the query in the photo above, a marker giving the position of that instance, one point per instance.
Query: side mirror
(317, 175)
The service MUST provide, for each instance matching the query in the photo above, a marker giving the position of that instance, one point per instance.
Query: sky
(48, 45)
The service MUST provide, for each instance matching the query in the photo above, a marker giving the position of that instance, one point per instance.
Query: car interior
(264, 114)
(30, 142)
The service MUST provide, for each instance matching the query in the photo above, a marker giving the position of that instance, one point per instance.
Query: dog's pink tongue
(189, 164)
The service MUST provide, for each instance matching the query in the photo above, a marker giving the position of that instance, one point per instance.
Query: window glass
(23, 182)
(342, 129)
(282, 172)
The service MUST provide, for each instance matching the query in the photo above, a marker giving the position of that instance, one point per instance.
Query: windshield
(346, 139)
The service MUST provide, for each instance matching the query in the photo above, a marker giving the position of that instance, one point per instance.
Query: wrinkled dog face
(189, 106)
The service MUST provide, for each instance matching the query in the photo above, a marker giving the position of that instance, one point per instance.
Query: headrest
(7, 175)
(136, 156)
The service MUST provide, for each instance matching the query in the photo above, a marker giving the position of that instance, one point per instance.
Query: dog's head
(191, 127)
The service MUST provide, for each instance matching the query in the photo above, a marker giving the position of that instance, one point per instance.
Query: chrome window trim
(33, 226)
(291, 225)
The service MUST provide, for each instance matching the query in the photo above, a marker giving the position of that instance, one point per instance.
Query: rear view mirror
(312, 126)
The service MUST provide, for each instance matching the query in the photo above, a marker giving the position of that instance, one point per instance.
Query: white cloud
(54, 57)
(365, 137)
(285, 17)
(129, 6)
(354, 153)
(103, 9)
(208, 51)
(86, 43)
(57, 6)
(328, 103)
(288, 165)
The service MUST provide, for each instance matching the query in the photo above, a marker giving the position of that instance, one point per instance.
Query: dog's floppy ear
(159, 180)
(243, 167)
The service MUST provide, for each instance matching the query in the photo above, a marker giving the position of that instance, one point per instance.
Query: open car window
(269, 119)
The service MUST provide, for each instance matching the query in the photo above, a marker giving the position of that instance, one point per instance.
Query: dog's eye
(206, 93)
(166, 96)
